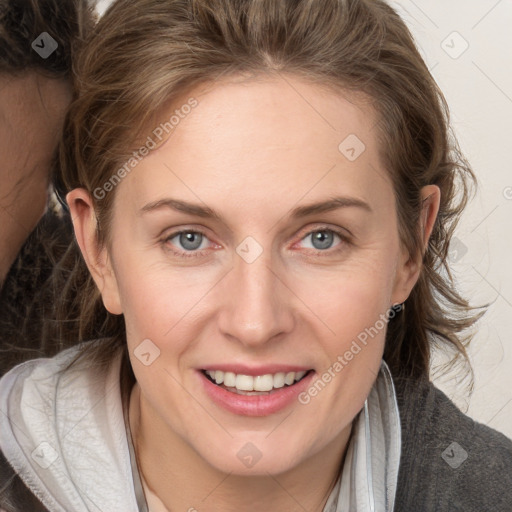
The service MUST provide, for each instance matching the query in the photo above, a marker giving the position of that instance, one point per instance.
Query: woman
(257, 189)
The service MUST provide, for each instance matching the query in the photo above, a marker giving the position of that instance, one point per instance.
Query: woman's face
(259, 282)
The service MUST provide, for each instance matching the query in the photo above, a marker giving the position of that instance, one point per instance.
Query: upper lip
(242, 369)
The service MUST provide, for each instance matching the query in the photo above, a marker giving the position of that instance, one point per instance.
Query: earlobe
(410, 269)
(95, 255)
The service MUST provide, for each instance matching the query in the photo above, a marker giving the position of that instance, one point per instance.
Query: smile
(254, 385)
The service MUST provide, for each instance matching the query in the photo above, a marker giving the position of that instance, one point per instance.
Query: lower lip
(255, 405)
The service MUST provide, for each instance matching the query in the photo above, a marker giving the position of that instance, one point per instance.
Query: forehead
(279, 111)
(265, 133)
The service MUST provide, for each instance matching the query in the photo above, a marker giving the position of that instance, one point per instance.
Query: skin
(252, 150)
(32, 109)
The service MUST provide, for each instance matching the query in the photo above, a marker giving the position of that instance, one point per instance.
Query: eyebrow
(299, 212)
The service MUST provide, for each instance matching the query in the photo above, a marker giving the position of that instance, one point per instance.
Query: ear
(96, 256)
(409, 269)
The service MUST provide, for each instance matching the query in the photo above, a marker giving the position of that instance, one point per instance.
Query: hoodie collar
(370, 472)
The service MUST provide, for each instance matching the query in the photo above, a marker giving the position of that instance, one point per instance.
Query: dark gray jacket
(449, 462)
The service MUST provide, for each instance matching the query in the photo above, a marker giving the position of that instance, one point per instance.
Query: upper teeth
(258, 383)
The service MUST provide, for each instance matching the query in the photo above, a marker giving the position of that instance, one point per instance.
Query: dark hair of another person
(22, 21)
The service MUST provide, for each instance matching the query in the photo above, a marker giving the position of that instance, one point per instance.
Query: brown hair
(146, 53)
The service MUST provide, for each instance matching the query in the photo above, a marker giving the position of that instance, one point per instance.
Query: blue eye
(322, 239)
(190, 240)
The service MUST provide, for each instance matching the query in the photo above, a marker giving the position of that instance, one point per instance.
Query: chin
(253, 458)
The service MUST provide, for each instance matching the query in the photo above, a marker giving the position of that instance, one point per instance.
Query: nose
(257, 306)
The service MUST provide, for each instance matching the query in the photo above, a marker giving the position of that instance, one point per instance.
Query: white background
(478, 87)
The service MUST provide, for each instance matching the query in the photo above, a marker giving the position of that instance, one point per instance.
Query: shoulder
(449, 461)
(31, 396)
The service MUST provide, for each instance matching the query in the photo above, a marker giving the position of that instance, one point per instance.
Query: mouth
(256, 385)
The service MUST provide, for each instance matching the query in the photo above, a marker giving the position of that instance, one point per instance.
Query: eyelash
(196, 254)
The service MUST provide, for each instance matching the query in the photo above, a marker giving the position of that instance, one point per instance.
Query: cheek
(352, 298)
(159, 303)
(352, 307)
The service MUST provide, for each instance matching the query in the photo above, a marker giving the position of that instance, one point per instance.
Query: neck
(198, 485)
